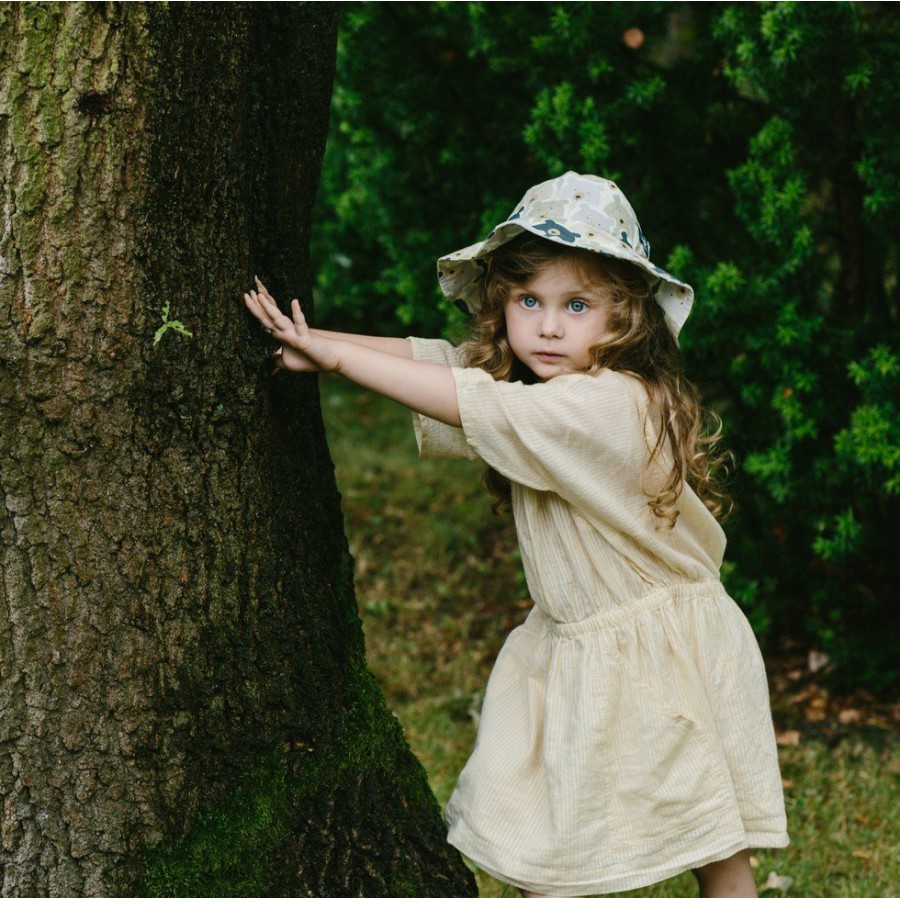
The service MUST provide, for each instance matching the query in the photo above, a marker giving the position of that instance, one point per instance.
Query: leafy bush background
(759, 145)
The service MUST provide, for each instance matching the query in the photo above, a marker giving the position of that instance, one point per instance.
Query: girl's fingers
(263, 315)
(265, 310)
(270, 322)
(270, 309)
(253, 299)
(253, 305)
(263, 289)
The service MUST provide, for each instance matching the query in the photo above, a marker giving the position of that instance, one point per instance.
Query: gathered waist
(670, 595)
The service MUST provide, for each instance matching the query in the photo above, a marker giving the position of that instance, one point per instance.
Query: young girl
(626, 733)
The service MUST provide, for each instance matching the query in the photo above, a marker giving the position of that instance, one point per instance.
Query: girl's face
(554, 319)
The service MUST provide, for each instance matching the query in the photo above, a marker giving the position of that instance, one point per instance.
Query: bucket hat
(574, 210)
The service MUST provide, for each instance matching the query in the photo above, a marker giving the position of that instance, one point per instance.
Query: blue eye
(577, 306)
(529, 302)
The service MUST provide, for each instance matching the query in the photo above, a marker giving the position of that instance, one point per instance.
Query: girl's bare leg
(732, 877)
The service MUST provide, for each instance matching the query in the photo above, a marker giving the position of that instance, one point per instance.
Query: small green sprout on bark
(168, 323)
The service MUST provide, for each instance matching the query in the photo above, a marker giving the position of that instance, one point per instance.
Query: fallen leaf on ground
(787, 738)
(804, 695)
(817, 660)
(778, 882)
(849, 716)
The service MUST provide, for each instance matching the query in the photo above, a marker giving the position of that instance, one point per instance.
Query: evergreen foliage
(759, 146)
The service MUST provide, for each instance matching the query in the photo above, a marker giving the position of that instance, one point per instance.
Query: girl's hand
(301, 351)
(425, 387)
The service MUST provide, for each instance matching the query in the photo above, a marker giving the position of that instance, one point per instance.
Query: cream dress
(626, 733)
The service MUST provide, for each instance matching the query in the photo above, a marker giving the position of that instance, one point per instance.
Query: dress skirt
(620, 750)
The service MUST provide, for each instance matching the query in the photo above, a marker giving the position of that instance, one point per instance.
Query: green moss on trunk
(261, 840)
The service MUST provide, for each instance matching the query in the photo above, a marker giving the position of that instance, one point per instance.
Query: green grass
(439, 585)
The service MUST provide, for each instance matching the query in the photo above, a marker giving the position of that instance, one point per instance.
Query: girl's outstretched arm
(421, 386)
(394, 346)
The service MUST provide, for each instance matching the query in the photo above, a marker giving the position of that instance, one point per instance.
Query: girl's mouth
(548, 357)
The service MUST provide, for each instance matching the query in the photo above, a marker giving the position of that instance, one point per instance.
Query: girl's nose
(550, 324)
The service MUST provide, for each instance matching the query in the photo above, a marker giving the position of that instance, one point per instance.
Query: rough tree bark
(184, 705)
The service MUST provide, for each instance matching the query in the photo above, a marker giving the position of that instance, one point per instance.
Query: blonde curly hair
(638, 343)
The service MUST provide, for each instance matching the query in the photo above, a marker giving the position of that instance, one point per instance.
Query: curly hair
(638, 343)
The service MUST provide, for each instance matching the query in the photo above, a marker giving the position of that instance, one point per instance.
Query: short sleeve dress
(626, 733)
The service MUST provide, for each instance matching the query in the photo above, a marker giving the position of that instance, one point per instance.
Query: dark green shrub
(759, 146)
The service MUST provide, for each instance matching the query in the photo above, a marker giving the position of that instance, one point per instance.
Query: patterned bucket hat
(577, 211)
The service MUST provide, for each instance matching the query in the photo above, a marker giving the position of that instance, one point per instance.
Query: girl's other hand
(301, 351)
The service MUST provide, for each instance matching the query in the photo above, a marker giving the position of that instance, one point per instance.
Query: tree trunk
(184, 704)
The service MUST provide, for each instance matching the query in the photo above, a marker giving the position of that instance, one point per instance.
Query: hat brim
(462, 272)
